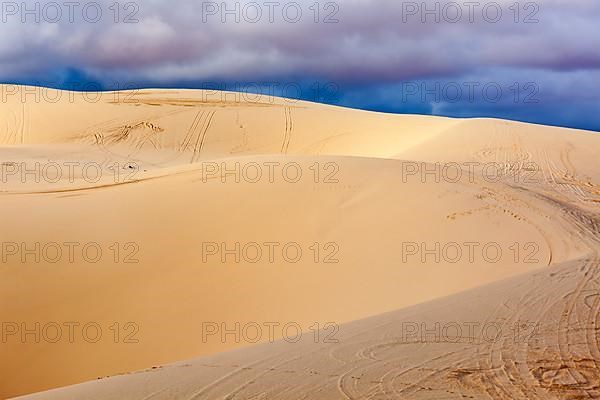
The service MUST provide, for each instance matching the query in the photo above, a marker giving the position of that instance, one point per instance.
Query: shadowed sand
(369, 184)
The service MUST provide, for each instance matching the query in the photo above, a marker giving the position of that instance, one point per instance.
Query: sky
(530, 61)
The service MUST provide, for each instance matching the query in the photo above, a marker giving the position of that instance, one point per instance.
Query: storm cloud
(531, 61)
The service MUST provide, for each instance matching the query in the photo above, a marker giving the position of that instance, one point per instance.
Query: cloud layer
(544, 56)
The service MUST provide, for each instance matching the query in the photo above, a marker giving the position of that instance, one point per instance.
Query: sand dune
(211, 212)
(531, 337)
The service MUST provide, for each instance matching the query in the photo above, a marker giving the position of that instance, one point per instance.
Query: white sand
(363, 196)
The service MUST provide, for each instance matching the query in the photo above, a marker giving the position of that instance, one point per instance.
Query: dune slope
(210, 212)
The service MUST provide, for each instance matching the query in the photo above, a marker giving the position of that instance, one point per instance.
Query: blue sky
(530, 61)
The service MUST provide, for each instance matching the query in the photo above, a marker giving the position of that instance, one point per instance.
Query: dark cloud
(374, 45)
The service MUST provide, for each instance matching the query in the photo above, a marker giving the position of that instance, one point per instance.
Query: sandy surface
(371, 210)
